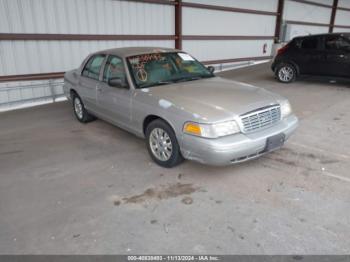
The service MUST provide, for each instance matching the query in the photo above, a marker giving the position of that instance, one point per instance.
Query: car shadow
(322, 80)
(325, 80)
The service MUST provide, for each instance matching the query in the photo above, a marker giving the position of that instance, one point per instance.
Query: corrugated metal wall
(74, 17)
(68, 17)
(215, 22)
(342, 17)
(113, 17)
(85, 17)
(300, 12)
(32, 57)
(117, 17)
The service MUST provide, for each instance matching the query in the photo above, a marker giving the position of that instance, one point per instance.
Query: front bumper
(236, 148)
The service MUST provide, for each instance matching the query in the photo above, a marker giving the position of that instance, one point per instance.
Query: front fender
(145, 104)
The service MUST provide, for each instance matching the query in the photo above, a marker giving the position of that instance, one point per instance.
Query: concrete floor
(68, 188)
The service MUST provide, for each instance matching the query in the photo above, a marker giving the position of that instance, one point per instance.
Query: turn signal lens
(192, 128)
(214, 130)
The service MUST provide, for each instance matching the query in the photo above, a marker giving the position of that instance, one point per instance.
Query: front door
(114, 102)
(337, 55)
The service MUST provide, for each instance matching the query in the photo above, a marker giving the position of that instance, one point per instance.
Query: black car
(325, 55)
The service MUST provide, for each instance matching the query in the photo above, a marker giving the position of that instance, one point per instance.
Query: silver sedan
(182, 109)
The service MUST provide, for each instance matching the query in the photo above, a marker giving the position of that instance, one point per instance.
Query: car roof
(317, 35)
(131, 51)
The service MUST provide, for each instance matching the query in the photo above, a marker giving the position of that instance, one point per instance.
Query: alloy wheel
(78, 108)
(160, 144)
(286, 74)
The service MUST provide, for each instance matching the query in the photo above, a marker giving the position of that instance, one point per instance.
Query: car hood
(214, 99)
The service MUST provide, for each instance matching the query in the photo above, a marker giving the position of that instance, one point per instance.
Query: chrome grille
(260, 118)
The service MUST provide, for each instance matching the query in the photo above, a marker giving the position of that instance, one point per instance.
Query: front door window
(114, 68)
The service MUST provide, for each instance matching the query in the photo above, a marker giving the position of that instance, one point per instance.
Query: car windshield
(164, 68)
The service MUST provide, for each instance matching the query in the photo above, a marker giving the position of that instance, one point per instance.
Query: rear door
(89, 81)
(337, 55)
(309, 56)
(114, 103)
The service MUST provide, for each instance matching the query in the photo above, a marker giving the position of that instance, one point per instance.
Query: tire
(162, 144)
(286, 73)
(80, 112)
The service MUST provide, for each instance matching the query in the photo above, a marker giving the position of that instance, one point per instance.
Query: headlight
(286, 109)
(211, 130)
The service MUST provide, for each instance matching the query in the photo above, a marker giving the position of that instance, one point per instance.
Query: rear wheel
(79, 110)
(162, 144)
(286, 73)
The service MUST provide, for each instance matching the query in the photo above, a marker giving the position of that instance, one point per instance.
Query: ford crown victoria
(179, 106)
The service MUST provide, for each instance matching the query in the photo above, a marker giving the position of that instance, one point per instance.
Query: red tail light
(282, 50)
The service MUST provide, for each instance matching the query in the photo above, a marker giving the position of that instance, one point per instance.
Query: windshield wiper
(184, 79)
(191, 78)
(158, 83)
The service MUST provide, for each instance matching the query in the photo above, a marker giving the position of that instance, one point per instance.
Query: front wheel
(286, 73)
(79, 110)
(162, 144)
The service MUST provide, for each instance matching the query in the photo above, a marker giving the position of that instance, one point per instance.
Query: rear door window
(309, 43)
(93, 67)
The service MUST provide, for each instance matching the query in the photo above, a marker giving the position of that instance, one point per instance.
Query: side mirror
(117, 82)
(211, 69)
